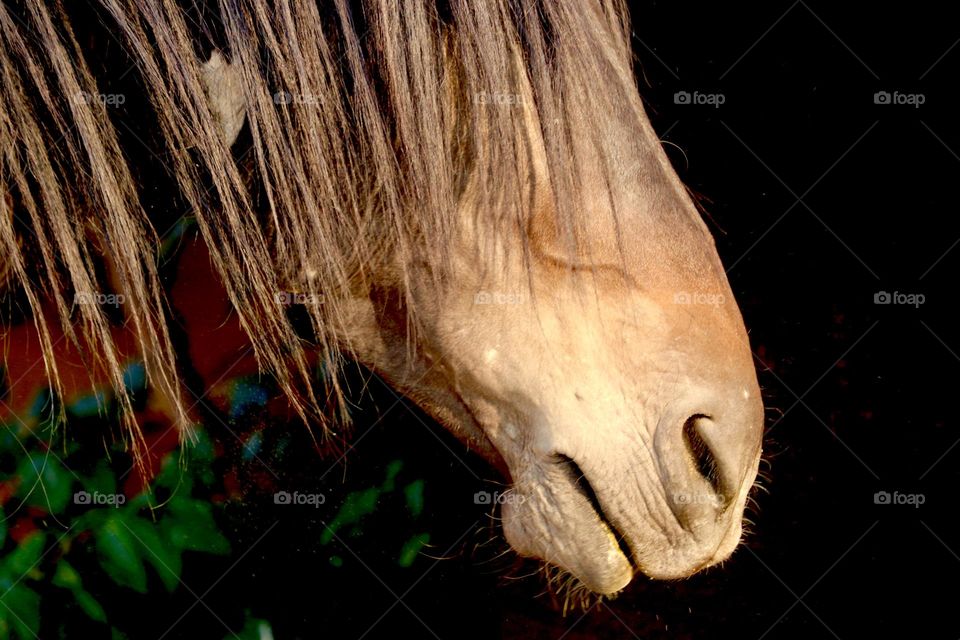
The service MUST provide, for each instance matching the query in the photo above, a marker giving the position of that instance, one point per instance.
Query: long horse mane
(390, 116)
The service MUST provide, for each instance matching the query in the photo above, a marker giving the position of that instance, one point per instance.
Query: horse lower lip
(569, 533)
(583, 485)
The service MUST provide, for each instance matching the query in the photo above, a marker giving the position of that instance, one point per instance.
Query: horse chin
(556, 523)
(585, 549)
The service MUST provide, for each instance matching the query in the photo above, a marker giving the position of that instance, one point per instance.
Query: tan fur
(355, 184)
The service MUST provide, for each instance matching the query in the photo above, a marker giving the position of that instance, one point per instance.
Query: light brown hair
(367, 123)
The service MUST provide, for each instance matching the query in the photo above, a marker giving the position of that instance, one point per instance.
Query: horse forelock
(371, 131)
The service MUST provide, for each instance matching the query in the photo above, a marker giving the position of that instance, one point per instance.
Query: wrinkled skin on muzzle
(614, 386)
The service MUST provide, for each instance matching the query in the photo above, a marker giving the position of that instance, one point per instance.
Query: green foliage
(73, 533)
(44, 482)
(62, 506)
(362, 503)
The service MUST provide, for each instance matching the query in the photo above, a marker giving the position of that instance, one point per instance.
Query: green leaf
(92, 519)
(157, 551)
(357, 505)
(120, 554)
(414, 495)
(66, 576)
(21, 560)
(392, 470)
(173, 476)
(3, 527)
(44, 482)
(90, 606)
(102, 480)
(191, 527)
(411, 548)
(20, 610)
(202, 450)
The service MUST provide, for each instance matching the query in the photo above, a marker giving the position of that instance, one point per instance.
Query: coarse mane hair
(373, 128)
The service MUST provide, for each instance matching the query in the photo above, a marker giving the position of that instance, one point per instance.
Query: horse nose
(705, 462)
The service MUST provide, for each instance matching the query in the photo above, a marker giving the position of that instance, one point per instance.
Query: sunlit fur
(354, 193)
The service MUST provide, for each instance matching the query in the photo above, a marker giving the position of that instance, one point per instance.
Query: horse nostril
(703, 458)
